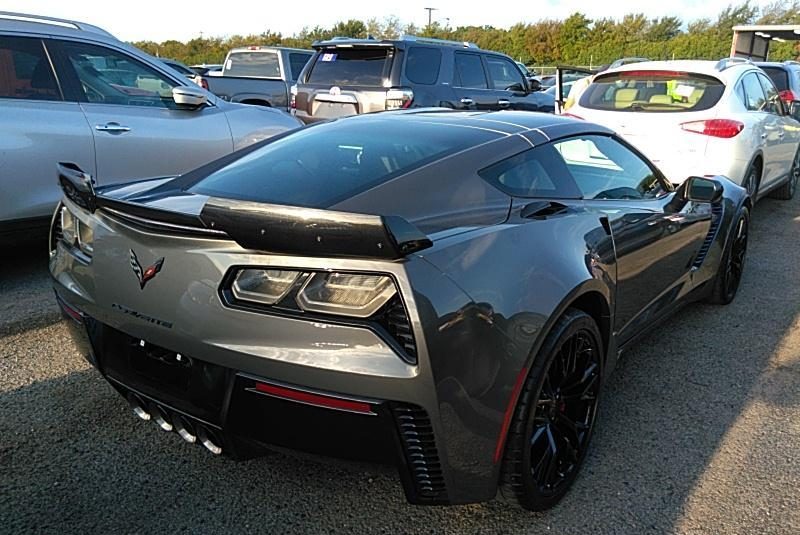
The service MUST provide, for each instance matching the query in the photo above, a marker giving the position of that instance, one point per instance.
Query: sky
(159, 20)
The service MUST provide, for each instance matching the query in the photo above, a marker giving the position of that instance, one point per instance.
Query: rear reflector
(512, 404)
(725, 128)
(69, 311)
(316, 400)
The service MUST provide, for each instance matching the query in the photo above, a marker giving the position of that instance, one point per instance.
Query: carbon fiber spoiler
(265, 227)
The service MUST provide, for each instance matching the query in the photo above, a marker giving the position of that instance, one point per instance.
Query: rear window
(422, 65)
(365, 66)
(780, 77)
(327, 163)
(298, 60)
(652, 91)
(262, 64)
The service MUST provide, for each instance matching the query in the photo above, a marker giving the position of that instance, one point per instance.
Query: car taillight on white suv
(399, 98)
(725, 128)
(293, 98)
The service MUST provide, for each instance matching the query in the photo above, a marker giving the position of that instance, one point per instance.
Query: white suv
(701, 118)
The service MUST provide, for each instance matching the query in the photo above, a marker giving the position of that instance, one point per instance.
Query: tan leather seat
(624, 97)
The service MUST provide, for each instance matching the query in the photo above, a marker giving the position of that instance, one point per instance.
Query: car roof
(723, 69)
(36, 24)
(506, 122)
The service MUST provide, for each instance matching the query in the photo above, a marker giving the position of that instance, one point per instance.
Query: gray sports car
(446, 291)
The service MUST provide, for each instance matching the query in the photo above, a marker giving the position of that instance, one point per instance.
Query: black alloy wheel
(555, 415)
(729, 273)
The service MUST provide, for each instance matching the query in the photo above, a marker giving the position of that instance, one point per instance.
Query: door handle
(781, 135)
(503, 103)
(466, 101)
(764, 136)
(112, 128)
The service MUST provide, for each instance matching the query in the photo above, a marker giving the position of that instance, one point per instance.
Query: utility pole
(430, 11)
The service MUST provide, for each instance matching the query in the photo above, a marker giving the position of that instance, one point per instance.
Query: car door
(38, 129)
(509, 88)
(470, 84)
(785, 135)
(767, 128)
(657, 237)
(139, 131)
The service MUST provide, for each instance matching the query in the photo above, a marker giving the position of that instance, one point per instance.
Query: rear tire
(729, 273)
(786, 191)
(554, 418)
(751, 180)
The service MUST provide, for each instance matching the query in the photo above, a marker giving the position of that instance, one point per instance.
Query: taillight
(399, 98)
(788, 96)
(725, 128)
(293, 97)
(204, 83)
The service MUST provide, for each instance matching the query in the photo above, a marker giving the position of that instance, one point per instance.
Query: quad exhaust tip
(172, 421)
(138, 406)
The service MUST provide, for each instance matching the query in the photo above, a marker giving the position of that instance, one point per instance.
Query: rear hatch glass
(365, 66)
(780, 77)
(256, 63)
(659, 91)
(319, 166)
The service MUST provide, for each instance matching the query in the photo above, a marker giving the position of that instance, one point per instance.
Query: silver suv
(71, 91)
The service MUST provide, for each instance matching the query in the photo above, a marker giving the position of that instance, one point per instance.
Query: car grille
(395, 320)
(716, 219)
(421, 455)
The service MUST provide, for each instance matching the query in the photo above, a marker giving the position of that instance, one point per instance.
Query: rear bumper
(245, 414)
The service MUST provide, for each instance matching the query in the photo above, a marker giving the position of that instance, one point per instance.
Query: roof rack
(52, 21)
(433, 41)
(726, 63)
(791, 62)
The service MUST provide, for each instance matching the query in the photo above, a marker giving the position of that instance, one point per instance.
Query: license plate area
(188, 384)
(325, 109)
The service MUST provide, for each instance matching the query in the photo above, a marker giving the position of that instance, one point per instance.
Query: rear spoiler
(267, 227)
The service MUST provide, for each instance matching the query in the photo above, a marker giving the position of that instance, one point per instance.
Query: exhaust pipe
(137, 405)
(160, 417)
(209, 440)
(184, 428)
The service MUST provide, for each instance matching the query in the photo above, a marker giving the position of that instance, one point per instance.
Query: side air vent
(422, 457)
(716, 219)
(395, 321)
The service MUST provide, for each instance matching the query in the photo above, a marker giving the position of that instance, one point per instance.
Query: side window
(740, 93)
(422, 65)
(773, 103)
(296, 63)
(754, 93)
(110, 77)
(25, 71)
(469, 72)
(604, 168)
(503, 73)
(538, 172)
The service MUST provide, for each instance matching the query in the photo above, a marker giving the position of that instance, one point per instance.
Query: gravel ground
(698, 433)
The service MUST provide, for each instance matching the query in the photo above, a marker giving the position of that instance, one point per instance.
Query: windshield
(652, 91)
(256, 63)
(327, 163)
(365, 66)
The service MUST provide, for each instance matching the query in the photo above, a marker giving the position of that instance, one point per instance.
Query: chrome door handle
(503, 103)
(112, 127)
(466, 101)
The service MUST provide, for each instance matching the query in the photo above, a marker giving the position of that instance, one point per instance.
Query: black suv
(786, 77)
(351, 76)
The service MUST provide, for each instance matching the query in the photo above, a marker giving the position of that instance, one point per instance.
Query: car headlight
(266, 286)
(347, 294)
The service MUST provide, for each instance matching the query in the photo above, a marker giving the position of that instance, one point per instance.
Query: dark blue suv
(352, 76)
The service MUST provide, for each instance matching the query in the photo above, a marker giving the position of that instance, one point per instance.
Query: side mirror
(794, 109)
(518, 87)
(190, 97)
(703, 190)
(536, 85)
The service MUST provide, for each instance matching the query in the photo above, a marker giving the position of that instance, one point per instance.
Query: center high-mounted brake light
(659, 74)
(724, 128)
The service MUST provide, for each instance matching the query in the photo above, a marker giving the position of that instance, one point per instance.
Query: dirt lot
(699, 433)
